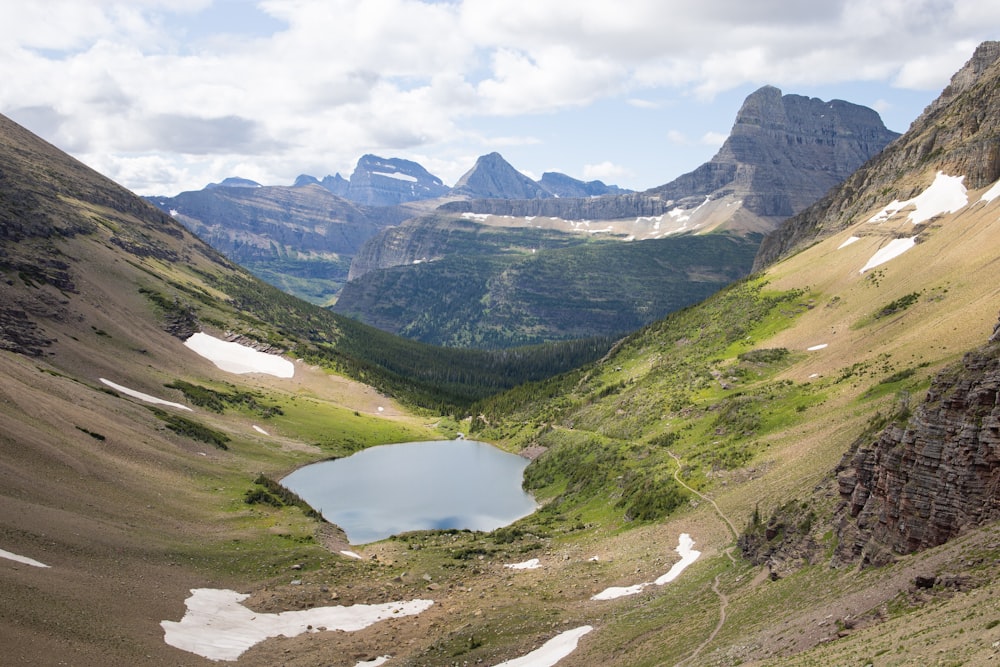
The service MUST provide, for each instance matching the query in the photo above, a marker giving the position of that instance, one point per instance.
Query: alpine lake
(392, 489)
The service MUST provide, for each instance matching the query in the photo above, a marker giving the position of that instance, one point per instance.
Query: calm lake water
(391, 489)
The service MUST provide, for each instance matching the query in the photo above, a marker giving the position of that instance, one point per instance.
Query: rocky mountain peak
(982, 58)
(492, 177)
(956, 134)
(783, 153)
(378, 181)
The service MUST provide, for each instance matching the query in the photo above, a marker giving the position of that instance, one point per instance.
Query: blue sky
(169, 95)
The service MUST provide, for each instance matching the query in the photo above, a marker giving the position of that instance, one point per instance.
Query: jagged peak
(985, 55)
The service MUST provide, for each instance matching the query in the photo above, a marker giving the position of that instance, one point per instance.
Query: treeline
(447, 380)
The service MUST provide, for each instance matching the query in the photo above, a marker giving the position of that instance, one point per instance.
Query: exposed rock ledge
(921, 484)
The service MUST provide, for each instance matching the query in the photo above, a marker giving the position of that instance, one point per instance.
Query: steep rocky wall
(923, 482)
(959, 133)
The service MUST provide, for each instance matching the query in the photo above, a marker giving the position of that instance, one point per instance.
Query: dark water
(391, 489)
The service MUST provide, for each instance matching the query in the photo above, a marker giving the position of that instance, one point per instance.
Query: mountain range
(802, 468)
(518, 267)
(523, 248)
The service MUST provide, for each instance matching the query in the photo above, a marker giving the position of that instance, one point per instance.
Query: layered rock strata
(923, 482)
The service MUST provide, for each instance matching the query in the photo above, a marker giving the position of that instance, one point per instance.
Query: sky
(165, 96)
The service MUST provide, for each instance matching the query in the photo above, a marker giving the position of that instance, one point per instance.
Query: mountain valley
(795, 424)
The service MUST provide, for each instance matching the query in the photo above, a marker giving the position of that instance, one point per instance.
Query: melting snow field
(236, 358)
(551, 651)
(893, 249)
(685, 548)
(21, 559)
(216, 626)
(144, 397)
(945, 195)
(991, 194)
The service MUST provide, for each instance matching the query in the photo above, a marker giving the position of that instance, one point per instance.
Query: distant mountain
(234, 182)
(379, 181)
(784, 152)
(492, 177)
(301, 239)
(562, 185)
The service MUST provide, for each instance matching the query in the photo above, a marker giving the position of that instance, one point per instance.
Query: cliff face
(921, 484)
(785, 152)
(956, 134)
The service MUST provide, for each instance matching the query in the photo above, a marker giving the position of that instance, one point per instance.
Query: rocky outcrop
(492, 177)
(926, 479)
(957, 133)
(784, 152)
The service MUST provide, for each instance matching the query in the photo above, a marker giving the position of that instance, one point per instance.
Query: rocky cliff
(928, 478)
(784, 152)
(956, 134)
(577, 208)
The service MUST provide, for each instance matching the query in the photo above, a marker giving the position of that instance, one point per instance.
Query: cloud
(307, 81)
(677, 137)
(714, 138)
(604, 171)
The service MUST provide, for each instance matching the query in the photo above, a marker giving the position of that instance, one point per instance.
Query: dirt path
(723, 599)
(677, 476)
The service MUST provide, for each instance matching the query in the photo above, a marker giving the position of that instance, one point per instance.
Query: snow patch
(893, 249)
(351, 554)
(21, 559)
(374, 662)
(816, 347)
(260, 430)
(848, 242)
(476, 216)
(532, 564)
(551, 651)
(216, 626)
(144, 397)
(396, 175)
(946, 194)
(685, 548)
(991, 194)
(239, 359)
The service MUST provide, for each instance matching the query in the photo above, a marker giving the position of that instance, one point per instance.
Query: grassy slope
(795, 419)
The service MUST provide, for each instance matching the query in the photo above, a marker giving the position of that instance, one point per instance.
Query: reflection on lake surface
(391, 489)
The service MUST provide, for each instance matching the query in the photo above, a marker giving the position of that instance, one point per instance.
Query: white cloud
(677, 137)
(605, 171)
(714, 138)
(329, 80)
